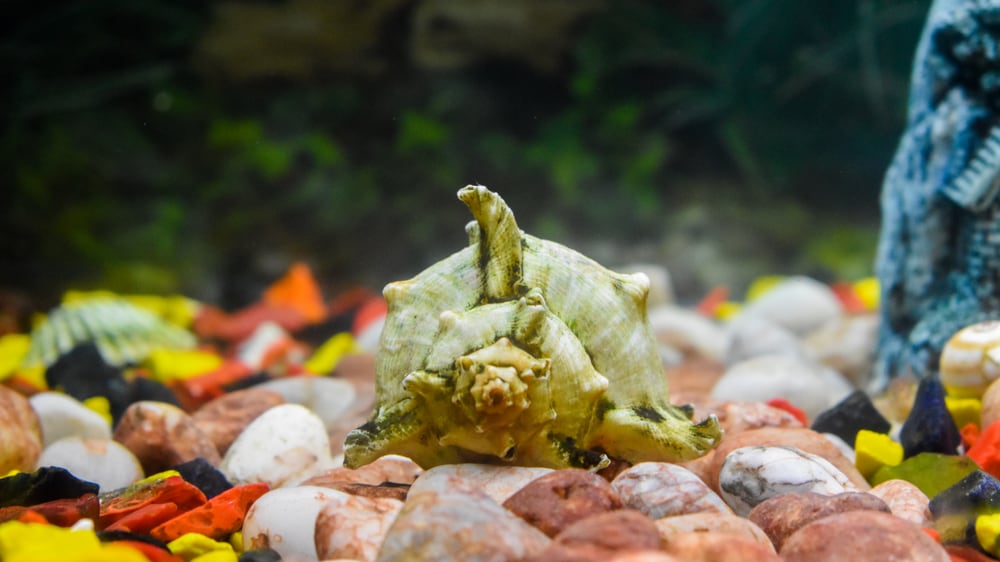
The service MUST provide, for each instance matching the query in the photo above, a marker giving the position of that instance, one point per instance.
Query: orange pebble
(299, 291)
(986, 450)
(970, 434)
(217, 519)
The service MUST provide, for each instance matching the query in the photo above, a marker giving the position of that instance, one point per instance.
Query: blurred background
(195, 147)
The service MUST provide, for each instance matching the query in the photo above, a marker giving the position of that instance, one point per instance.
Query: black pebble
(849, 416)
(43, 485)
(260, 555)
(206, 477)
(82, 373)
(978, 492)
(929, 428)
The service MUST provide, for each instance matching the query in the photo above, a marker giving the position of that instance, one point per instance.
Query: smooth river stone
(497, 482)
(224, 418)
(284, 446)
(753, 474)
(712, 523)
(285, 521)
(782, 515)
(600, 537)
(562, 497)
(905, 500)
(61, 415)
(20, 433)
(662, 490)
(459, 526)
(862, 536)
(354, 527)
(328, 398)
(161, 435)
(800, 304)
(102, 461)
(709, 547)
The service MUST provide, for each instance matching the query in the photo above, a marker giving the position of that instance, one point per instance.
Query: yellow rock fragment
(236, 539)
(325, 359)
(874, 450)
(32, 542)
(761, 285)
(987, 530)
(101, 405)
(193, 546)
(13, 349)
(34, 375)
(727, 310)
(867, 290)
(964, 410)
(170, 364)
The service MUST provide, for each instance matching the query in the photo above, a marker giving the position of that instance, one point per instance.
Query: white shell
(753, 474)
(970, 360)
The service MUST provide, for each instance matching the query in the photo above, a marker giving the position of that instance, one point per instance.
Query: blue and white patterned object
(939, 255)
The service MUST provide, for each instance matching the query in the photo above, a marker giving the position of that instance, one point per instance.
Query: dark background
(200, 147)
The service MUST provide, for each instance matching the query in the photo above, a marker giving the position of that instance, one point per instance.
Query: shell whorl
(498, 243)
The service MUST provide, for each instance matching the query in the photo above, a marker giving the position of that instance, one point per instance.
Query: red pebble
(218, 518)
(173, 490)
(970, 434)
(195, 391)
(62, 512)
(782, 404)
(710, 304)
(848, 297)
(986, 450)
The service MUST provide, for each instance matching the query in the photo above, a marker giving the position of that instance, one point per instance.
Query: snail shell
(970, 360)
(519, 350)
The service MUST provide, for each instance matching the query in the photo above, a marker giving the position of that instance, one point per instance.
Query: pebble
(285, 445)
(662, 490)
(600, 537)
(931, 472)
(216, 519)
(457, 526)
(805, 383)
(929, 428)
(849, 416)
(20, 433)
(354, 527)
(799, 304)
(688, 332)
(102, 461)
(800, 438)
(754, 336)
(847, 345)
(161, 435)
(862, 536)
(957, 506)
(206, 477)
(562, 497)
(782, 515)
(905, 501)
(497, 482)
(741, 415)
(224, 418)
(390, 468)
(706, 523)
(328, 398)
(702, 547)
(753, 474)
(285, 520)
(875, 450)
(61, 416)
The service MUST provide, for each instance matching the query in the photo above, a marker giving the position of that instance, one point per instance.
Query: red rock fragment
(174, 489)
(145, 518)
(986, 450)
(62, 512)
(195, 391)
(782, 404)
(218, 518)
(213, 323)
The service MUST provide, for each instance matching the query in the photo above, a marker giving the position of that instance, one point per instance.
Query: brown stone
(782, 515)
(554, 501)
(799, 437)
(707, 547)
(862, 536)
(905, 500)
(20, 433)
(224, 418)
(712, 523)
(661, 489)
(601, 536)
(354, 528)
(162, 435)
(390, 468)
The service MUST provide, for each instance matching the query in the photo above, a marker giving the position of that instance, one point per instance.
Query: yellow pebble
(100, 405)
(727, 310)
(171, 364)
(987, 530)
(761, 285)
(193, 546)
(236, 539)
(867, 290)
(964, 410)
(324, 360)
(13, 348)
(874, 450)
(33, 542)
(35, 375)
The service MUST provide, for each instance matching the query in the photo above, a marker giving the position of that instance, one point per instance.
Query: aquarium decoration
(939, 254)
(518, 350)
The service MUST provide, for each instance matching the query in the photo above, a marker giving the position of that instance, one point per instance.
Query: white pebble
(102, 461)
(285, 520)
(751, 475)
(284, 446)
(806, 384)
(61, 416)
(326, 397)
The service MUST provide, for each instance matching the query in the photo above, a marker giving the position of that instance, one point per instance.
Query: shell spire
(499, 243)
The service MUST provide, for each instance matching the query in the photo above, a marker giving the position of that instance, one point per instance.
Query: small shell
(970, 360)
